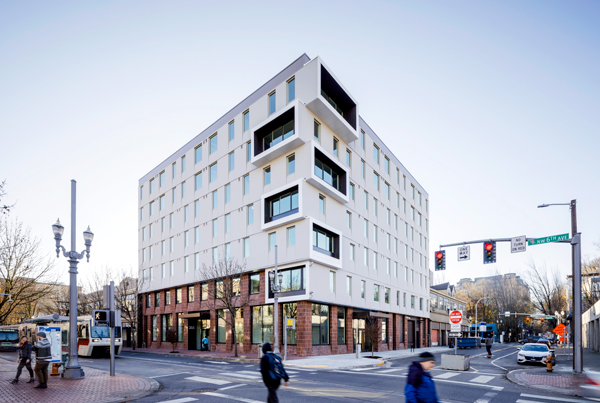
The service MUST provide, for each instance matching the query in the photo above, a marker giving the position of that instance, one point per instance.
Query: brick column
(212, 339)
(333, 330)
(247, 348)
(405, 331)
(349, 331)
(304, 329)
(228, 331)
(396, 333)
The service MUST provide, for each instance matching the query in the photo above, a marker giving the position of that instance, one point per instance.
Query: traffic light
(542, 320)
(527, 320)
(489, 252)
(440, 260)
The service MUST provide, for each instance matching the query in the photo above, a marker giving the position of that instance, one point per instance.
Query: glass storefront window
(341, 312)
(221, 333)
(154, 328)
(290, 311)
(179, 327)
(320, 324)
(262, 324)
(239, 326)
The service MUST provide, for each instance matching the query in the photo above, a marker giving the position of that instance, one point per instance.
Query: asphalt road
(185, 379)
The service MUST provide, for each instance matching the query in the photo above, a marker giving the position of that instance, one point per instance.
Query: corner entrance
(198, 328)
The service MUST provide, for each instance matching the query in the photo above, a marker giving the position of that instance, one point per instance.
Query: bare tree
(227, 290)
(547, 289)
(25, 273)
(4, 209)
(372, 332)
(439, 277)
(128, 294)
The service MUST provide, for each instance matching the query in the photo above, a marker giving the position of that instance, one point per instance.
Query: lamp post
(576, 272)
(477, 324)
(73, 370)
(276, 289)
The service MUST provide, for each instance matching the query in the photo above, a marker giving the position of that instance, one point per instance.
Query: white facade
(183, 223)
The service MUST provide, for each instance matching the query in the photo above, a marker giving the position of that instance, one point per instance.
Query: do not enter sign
(455, 317)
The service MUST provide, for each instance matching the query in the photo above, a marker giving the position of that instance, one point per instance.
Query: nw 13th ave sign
(548, 239)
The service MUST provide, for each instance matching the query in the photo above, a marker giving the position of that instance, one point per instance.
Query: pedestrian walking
(205, 343)
(43, 355)
(419, 385)
(489, 341)
(272, 372)
(24, 360)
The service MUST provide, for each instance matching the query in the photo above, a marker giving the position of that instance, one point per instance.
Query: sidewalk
(96, 387)
(561, 380)
(208, 355)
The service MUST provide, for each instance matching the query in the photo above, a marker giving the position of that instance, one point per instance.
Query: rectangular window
(204, 292)
(335, 146)
(267, 175)
(196, 261)
(215, 199)
(291, 164)
(272, 240)
(363, 287)
(362, 169)
(291, 90)
(341, 325)
(161, 202)
(387, 216)
(186, 211)
(366, 257)
(412, 191)
(174, 194)
(348, 286)
(325, 241)
(375, 260)
(154, 327)
(151, 230)
(348, 157)
(198, 154)
(281, 204)
(161, 180)
(404, 300)
(320, 324)
(327, 172)
(213, 143)
(152, 209)
(332, 282)
(384, 323)
(231, 130)
(246, 120)
(397, 176)
(213, 172)
(186, 239)
(157, 299)
(183, 159)
(227, 223)
(375, 154)
(255, 284)
(221, 334)
(168, 297)
(172, 268)
(262, 324)
(366, 201)
(374, 232)
(291, 236)
(387, 266)
(231, 161)
(351, 252)
(272, 102)
(227, 193)
(375, 206)
(250, 214)
(148, 300)
(386, 190)
(317, 131)
(387, 295)
(163, 270)
(412, 302)
(348, 219)
(215, 227)
(404, 182)
(376, 181)
(321, 204)
(178, 296)
(174, 166)
(248, 151)
(386, 165)
(398, 298)
(376, 293)
(215, 253)
(246, 184)
(246, 247)
(352, 191)
(228, 251)
(362, 139)
(183, 189)
(151, 186)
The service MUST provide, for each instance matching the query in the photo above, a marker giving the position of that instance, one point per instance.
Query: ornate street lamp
(276, 289)
(73, 370)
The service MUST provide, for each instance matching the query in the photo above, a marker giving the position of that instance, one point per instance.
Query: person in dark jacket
(24, 360)
(43, 355)
(419, 385)
(265, 369)
(489, 341)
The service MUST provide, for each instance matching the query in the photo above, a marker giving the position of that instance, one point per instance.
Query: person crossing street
(489, 341)
(419, 384)
(272, 372)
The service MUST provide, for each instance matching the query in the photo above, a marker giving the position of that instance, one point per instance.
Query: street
(185, 379)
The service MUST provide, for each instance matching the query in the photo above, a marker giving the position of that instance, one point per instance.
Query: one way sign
(464, 253)
(101, 318)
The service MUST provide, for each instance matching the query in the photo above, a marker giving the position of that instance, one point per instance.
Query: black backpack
(276, 370)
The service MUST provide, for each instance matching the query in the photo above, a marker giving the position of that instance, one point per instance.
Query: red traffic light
(439, 255)
(489, 246)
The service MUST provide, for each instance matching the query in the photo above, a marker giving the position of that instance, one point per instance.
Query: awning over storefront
(380, 315)
(190, 315)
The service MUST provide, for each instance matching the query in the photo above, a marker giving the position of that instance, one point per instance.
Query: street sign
(455, 327)
(290, 323)
(549, 317)
(101, 318)
(455, 317)
(548, 239)
(560, 329)
(455, 334)
(518, 244)
(464, 253)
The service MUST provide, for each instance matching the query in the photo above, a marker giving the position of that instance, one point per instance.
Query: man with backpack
(272, 372)
(419, 385)
(489, 342)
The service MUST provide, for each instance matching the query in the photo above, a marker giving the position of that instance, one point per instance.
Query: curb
(127, 397)
(248, 360)
(324, 367)
(566, 392)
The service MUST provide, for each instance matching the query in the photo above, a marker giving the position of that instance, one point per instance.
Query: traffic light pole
(479, 241)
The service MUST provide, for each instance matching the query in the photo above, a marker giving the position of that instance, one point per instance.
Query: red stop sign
(455, 317)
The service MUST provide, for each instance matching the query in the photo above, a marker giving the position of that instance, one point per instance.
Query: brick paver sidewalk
(562, 381)
(97, 386)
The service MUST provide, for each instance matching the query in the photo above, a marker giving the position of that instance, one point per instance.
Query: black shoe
(14, 381)
(31, 380)
(40, 386)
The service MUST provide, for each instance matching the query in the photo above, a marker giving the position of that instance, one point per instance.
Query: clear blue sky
(492, 106)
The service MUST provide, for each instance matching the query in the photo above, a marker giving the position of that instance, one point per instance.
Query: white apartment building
(294, 166)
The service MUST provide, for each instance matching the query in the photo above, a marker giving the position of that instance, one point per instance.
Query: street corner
(569, 385)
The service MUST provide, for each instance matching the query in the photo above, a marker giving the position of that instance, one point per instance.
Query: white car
(535, 353)
(591, 388)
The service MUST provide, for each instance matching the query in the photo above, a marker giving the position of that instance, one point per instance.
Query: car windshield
(535, 347)
(101, 332)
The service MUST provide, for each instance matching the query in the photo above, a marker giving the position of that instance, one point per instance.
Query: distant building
(443, 301)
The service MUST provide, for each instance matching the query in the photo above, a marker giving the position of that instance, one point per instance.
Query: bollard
(55, 366)
(549, 363)
(358, 350)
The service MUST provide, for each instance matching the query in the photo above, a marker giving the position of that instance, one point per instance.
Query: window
(397, 176)
(398, 298)
(387, 296)
(151, 186)
(152, 208)
(419, 219)
(291, 90)
(267, 174)
(227, 251)
(375, 260)
(384, 330)
(363, 287)
(246, 120)
(248, 151)
(404, 182)
(412, 213)
(148, 300)
(141, 192)
(366, 201)
(196, 208)
(376, 180)
(386, 190)
(375, 206)
(291, 236)
(341, 312)
(161, 179)
(387, 216)
(215, 199)
(412, 191)
(272, 100)
(291, 164)
(215, 253)
(317, 131)
(404, 300)
(186, 211)
(272, 240)
(387, 266)
(174, 194)
(327, 173)
(332, 282)
(348, 286)
(325, 241)
(213, 172)
(348, 157)
(163, 270)
(154, 328)
(183, 188)
(157, 299)
(227, 223)
(174, 167)
(246, 184)
(290, 311)
(362, 169)
(335, 146)
(320, 324)
(151, 230)
(203, 292)
(351, 251)
(168, 297)
(419, 198)
(246, 247)
(227, 193)
(172, 268)
(183, 159)
(255, 284)
(412, 302)
(215, 227)
(375, 154)
(348, 219)
(374, 232)
(250, 214)
(161, 202)
(186, 239)
(231, 130)
(178, 296)
(352, 191)
(321, 204)
(404, 206)
(221, 334)
(362, 139)
(376, 293)
(231, 161)
(282, 204)
(262, 324)
(198, 154)
(196, 261)
(366, 257)
(386, 165)
(213, 143)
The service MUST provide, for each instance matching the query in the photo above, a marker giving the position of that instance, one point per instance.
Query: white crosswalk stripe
(386, 371)
(237, 399)
(182, 400)
(208, 380)
(240, 375)
(363, 369)
(551, 398)
(447, 375)
(482, 379)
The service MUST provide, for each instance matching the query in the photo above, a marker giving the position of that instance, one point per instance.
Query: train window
(65, 337)
(82, 331)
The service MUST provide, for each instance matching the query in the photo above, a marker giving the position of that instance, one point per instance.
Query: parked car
(545, 342)
(536, 353)
(591, 388)
(530, 339)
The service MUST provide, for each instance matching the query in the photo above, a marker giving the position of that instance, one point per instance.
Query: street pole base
(73, 373)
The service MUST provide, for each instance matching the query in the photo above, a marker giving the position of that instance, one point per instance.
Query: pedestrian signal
(440, 260)
(489, 252)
